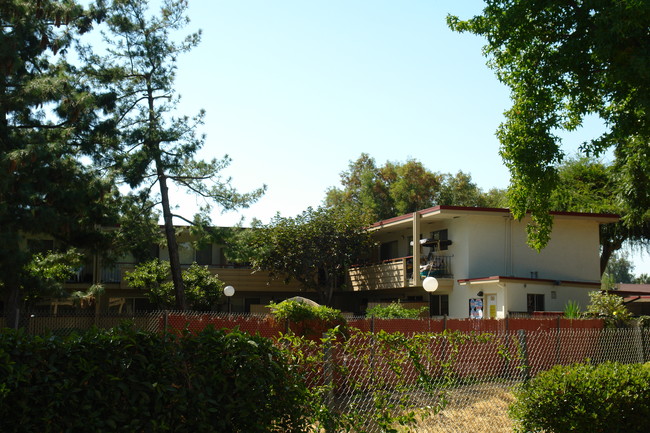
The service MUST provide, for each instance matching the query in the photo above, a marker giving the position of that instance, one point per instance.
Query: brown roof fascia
(499, 278)
(440, 208)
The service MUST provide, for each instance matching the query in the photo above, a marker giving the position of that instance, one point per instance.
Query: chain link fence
(407, 375)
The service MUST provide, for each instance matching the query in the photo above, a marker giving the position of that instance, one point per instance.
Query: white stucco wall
(494, 245)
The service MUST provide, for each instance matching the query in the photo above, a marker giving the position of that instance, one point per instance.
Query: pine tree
(154, 147)
(47, 119)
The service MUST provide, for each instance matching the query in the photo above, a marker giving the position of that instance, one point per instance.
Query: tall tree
(315, 248)
(47, 118)
(619, 269)
(398, 188)
(564, 60)
(362, 188)
(156, 148)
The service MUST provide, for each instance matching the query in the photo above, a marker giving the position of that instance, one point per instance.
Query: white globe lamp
(430, 284)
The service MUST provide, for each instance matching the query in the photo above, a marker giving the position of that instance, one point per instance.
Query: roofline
(441, 208)
(500, 279)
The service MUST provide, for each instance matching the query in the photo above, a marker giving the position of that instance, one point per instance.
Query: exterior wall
(572, 253)
(497, 246)
(555, 297)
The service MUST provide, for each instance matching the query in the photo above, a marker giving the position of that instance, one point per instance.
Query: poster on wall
(476, 308)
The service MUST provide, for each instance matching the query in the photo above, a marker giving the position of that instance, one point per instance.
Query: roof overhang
(497, 279)
(450, 212)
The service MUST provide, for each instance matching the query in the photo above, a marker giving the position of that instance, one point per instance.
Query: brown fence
(266, 326)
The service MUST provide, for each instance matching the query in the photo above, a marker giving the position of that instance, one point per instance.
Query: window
(442, 239)
(439, 305)
(204, 255)
(535, 302)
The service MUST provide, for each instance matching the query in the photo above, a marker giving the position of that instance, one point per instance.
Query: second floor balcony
(241, 277)
(398, 273)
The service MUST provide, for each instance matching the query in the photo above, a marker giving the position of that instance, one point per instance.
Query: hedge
(584, 398)
(130, 381)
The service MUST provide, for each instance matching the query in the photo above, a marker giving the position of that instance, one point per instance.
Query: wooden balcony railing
(396, 273)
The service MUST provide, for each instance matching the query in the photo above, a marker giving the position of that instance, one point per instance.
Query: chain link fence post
(523, 353)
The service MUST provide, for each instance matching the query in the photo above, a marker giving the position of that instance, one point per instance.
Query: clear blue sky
(296, 89)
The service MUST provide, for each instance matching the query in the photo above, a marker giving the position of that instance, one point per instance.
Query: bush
(131, 381)
(309, 320)
(609, 397)
(395, 310)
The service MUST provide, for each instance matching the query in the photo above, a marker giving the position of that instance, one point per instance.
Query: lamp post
(229, 291)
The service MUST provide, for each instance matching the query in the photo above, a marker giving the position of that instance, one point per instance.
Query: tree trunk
(11, 305)
(609, 248)
(172, 245)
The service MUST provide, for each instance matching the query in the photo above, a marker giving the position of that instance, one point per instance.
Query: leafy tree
(204, 290)
(46, 272)
(620, 269)
(459, 190)
(48, 119)
(315, 248)
(399, 188)
(642, 279)
(363, 189)
(564, 61)
(154, 148)
(410, 185)
(605, 305)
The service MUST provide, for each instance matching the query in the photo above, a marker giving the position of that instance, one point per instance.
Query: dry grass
(475, 408)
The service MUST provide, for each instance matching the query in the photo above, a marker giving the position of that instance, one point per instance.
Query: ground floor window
(535, 302)
(439, 305)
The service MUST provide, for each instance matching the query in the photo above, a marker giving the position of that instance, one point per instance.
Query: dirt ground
(477, 408)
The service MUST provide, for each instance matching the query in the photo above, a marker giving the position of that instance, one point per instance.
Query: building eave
(498, 279)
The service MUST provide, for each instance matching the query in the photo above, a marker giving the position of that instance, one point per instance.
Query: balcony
(397, 273)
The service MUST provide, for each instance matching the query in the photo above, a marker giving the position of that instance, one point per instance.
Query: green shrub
(309, 320)
(607, 398)
(141, 382)
(394, 310)
(609, 307)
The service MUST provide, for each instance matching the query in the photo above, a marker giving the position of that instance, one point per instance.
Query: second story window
(204, 255)
(441, 239)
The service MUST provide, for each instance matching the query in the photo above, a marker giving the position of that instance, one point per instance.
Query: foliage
(564, 61)
(47, 121)
(315, 248)
(620, 269)
(309, 320)
(203, 289)
(154, 148)
(87, 298)
(390, 369)
(572, 310)
(394, 310)
(642, 279)
(604, 304)
(609, 397)
(459, 190)
(398, 188)
(208, 382)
